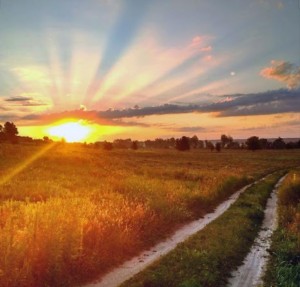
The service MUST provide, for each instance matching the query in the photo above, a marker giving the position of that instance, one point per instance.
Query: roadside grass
(284, 264)
(208, 258)
(76, 212)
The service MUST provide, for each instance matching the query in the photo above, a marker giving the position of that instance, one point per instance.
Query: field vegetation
(208, 258)
(284, 267)
(69, 213)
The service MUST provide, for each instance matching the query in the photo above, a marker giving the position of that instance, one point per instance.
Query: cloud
(91, 116)
(284, 72)
(269, 102)
(27, 100)
(264, 103)
(18, 99)
(206, 49)
(189, 129)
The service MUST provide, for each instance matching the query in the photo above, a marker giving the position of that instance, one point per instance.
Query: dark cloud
(25, 101)
(270, 102)
(91, 116)
(18, 99)
(8, 117)
(282, 71)
(148, 111)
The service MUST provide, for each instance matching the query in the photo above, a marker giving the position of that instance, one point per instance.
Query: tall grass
(76, 212)
(284, 267)
(208, 257)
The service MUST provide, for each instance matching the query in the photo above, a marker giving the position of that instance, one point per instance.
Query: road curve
(250, 273)
(135, 265)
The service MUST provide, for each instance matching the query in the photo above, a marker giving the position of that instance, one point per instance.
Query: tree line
(9, 133)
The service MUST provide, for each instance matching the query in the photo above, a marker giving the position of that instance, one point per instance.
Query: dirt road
(250, 273)
(138, 263)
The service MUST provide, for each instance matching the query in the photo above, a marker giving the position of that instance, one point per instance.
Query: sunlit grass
(74, 212)
(284, 267)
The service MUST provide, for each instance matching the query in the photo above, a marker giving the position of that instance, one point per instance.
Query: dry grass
(69, 213)
(284, 266)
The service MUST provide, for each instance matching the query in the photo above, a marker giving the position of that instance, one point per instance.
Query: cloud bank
(265, 103)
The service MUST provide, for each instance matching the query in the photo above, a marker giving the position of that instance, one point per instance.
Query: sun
(73, 131)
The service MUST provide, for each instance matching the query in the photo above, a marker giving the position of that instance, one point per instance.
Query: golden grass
(69, 213)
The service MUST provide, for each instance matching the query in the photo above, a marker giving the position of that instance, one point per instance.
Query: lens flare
(70, 131)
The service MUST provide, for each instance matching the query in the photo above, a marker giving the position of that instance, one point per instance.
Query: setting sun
(70, 131)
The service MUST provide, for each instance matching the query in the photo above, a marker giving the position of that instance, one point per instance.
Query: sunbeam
(25, 164)
(122, 35)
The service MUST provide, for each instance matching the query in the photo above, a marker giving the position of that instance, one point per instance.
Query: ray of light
(122, 35)
(26, 163)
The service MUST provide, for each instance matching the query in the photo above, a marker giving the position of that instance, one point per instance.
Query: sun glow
(70, 131)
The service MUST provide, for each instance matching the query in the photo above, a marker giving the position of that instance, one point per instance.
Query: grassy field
(284, 267)
(69, 213)
(208, 258)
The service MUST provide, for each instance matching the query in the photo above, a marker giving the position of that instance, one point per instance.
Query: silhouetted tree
(200, 144)
(209, 145)
(46, 139)
(226, 140)
(233, 145)
(253, 143)
(183, 144)
(278, 143)
(107, 146)
(264, 144)
(218, 147)
(134, 145)
(10, 131)
(194, 141)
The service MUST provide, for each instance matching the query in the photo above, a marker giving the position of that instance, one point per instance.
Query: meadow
(69, 213)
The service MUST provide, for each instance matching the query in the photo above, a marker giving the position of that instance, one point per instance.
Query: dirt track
(138, 263)
(250, 273)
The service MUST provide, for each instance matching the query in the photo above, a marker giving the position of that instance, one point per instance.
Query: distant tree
(10, 131)
(194, 141)
(134, 145)
(291, 145)
(209, 145)
(122, 143)
(218, 147)
(234, 145)
(46, 139)
(264, 144)
(278, 143)
(2, 135)
(200, 144)
(183, 144)
(253, 143)
(107, 146)
(226, 140)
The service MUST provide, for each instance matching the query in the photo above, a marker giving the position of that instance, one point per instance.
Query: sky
(146, 69)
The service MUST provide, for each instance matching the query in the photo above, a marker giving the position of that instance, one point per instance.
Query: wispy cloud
(27, 100)
(283, 71)
(189, 129)
(18, 99)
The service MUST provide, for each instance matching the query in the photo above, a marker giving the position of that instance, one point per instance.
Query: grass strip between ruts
(284, 266)
(208, 257)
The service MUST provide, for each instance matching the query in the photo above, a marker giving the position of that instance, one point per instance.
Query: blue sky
(86, 59)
